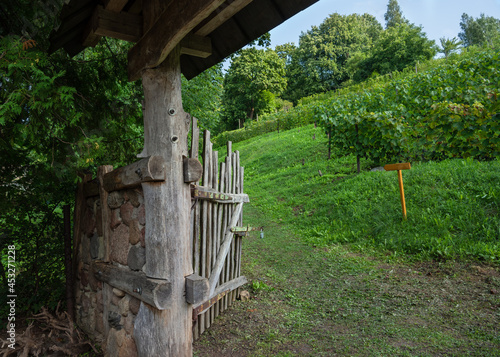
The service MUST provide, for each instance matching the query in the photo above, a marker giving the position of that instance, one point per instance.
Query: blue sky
(439, 18)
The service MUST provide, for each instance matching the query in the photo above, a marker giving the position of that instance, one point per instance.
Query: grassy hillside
(453, 206)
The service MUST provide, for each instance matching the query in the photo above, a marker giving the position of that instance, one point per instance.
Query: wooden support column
(168, 245)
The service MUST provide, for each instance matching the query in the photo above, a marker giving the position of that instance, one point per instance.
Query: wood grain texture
(167, 204)
(148, 169)
(106, 232)
(394, 167)
(154, 292)
(169, 28)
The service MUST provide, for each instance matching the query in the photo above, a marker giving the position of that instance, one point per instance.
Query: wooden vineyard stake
(398, 168)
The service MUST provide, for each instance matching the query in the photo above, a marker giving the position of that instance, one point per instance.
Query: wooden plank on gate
(224, 250)
(213, 195)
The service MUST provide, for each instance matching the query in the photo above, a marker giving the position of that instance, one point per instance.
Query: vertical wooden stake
(402, 193)
(398, 168)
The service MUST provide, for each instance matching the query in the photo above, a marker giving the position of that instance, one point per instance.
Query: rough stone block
(136, 257)
(244, 295)
(115, 199)
(99, 323)
(128, 347)
(134, 197)
(128, 324)
(123, 305)
(115, 219)
(118, 292)
(127, 213)
(119, 244)
(135, 232)
(134, 305)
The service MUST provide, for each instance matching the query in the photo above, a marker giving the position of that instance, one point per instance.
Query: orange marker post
(398, 168)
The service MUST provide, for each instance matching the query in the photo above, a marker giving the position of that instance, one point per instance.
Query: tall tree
(397, 48)
(485, 30)
(394, 15)
(252, 81)
(449, 46)
(202, 95)
(318, 64)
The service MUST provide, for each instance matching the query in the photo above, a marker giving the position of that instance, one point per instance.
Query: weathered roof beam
(123, 26)
(115, 5)
(197, 46)
(177, 21)
(225, 14)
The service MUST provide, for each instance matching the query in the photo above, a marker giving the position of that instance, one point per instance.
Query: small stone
(114, 320)
(133, 197)
(99, 323)
(84, 278)
(244, 295)
(118, 292)
(134, 305)
(127, 213)
(115, 199)
(85, 302)
(115, 300)
(123, 305)
(128, 347)
(493, 291)
(115, 219)
(128, 324)
(136, 257)
(135, 232)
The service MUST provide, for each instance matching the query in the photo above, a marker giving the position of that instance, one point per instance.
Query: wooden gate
(216, 212)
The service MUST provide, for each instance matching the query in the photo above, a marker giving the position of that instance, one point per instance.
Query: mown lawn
(339, 273)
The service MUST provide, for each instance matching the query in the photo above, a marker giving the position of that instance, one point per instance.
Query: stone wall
(107, 314)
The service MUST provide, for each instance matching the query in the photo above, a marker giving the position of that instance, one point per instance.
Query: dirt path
(332, 302)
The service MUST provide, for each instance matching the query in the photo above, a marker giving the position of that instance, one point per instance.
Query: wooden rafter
(167, 32)
(222, 16)
(123, 26)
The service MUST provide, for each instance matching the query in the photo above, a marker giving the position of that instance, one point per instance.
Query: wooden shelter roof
(208, 30)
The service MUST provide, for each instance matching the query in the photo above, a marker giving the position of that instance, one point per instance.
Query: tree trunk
(168, 246)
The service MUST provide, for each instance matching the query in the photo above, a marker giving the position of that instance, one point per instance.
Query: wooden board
(394, 167)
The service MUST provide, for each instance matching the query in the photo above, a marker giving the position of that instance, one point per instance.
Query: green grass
(453, 206)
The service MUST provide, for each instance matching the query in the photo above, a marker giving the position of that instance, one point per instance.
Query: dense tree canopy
(397, 47)
(254, 78)
(485, 30)
(318, 64)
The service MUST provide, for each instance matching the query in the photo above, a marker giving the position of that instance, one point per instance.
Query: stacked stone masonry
(96, 309)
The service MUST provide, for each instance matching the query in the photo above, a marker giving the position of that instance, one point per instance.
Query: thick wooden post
(168, 246)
